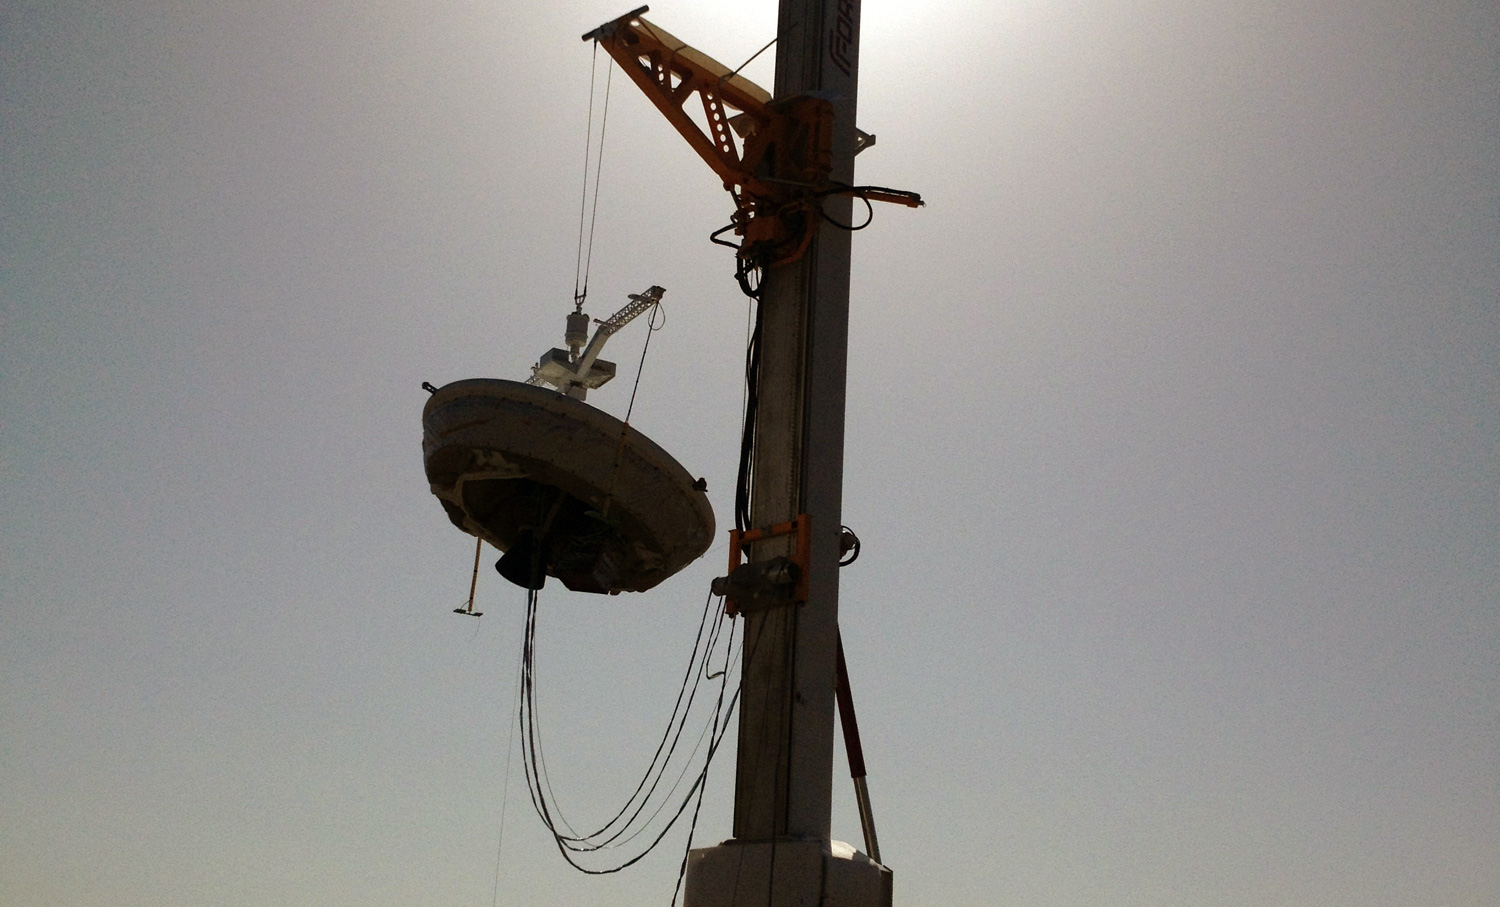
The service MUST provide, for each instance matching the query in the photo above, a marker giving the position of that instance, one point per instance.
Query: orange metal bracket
(802, 557)
(669, 73)
(782, 169)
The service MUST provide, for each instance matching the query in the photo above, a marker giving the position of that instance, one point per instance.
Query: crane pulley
(779, 172)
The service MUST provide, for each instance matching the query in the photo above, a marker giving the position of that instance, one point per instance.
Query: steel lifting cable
(585, 255)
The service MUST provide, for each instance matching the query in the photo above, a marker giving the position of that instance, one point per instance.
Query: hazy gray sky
(1174, 444)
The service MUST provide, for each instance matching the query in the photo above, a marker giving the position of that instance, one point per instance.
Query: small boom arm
(638, 303)
(573, 373)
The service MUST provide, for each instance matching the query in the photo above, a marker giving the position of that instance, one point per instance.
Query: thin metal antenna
(473, 584)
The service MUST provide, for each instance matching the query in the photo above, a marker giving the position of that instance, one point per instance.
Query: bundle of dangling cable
(652, 808)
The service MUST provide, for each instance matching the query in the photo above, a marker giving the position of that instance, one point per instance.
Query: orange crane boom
(777, 173)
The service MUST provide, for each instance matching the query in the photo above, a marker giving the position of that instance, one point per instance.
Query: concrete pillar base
(787, 873)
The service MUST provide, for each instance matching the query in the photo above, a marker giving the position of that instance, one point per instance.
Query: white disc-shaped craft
(565, 489)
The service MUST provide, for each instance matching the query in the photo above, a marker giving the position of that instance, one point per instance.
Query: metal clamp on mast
(758, 585)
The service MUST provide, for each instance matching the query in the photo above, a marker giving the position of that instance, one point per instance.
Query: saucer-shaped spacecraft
(564, 489)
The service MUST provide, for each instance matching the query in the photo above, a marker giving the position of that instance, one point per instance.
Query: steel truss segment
(669, 72)
(781, 172)
(781, 169)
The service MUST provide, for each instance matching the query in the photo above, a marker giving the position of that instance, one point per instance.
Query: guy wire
(510, 745)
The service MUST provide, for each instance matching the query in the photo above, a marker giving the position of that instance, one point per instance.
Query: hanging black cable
(747, 433)
(852, 228)
(710, 731)
(586, 842)
(703, 778)
(640, 369)
(746, 273)
(534, 762)
(848, 546)
(651, 328)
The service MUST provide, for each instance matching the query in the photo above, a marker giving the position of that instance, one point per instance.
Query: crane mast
(787, 160)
